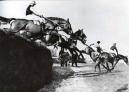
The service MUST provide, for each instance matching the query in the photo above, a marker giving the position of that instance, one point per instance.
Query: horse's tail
(4, 19)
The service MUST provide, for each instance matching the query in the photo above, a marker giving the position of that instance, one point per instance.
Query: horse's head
(126, 60)
(66, 26)
(80, 35)
(62, 24)
(83, 40)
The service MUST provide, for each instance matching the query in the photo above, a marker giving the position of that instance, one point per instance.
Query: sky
(103, 20)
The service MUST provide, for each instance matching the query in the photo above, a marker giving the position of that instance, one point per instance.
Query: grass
(59, 73)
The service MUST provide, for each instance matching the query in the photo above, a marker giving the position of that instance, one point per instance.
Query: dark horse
(39, 30)
(117, 58)
(79, 35)
(70, 44)
(111, 58)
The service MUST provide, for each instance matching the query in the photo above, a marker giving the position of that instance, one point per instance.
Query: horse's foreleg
(72, 63)
(76, 63)
(114, 65)
(66, 63)
(107, 66)
(79, 52)
(97, 65)
(82, 55)
(104, 66)
(108, 69)
(61, 63)
(74, 60)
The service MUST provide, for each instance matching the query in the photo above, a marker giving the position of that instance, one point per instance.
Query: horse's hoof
(110, 70)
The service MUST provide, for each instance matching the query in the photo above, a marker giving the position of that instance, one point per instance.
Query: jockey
(113, 47)
(30, 11)
(43, 20)
(98, 48)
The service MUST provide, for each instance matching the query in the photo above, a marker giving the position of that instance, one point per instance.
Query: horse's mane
(91, 49)
(56, 18)
(77, 31)
(4, 19)
(120, 56)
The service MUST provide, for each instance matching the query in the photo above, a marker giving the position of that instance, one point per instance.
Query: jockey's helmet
(33, 3)
(98, 42)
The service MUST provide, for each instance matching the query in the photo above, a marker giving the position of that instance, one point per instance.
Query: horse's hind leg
(62, 63)
(72, 63)
(112, 66)
(66, 63)
(76, 63)
(108, 68)
(99, 68)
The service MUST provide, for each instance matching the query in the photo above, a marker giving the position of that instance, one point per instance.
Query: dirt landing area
(86, 80)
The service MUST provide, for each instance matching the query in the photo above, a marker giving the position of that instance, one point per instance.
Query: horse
(95, 56)
(29, 28)
(112, 58)
(117, 59)
(66, 44)
(40, 29)
(92, 53)
(52, 38)
(79, 35)
(65, 25)
(70, 44)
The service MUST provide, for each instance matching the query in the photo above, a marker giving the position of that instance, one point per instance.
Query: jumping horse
(118, 57)
(70, 44)
(35, 31)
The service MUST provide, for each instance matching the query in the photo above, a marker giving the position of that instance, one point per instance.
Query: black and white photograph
(64, 45)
